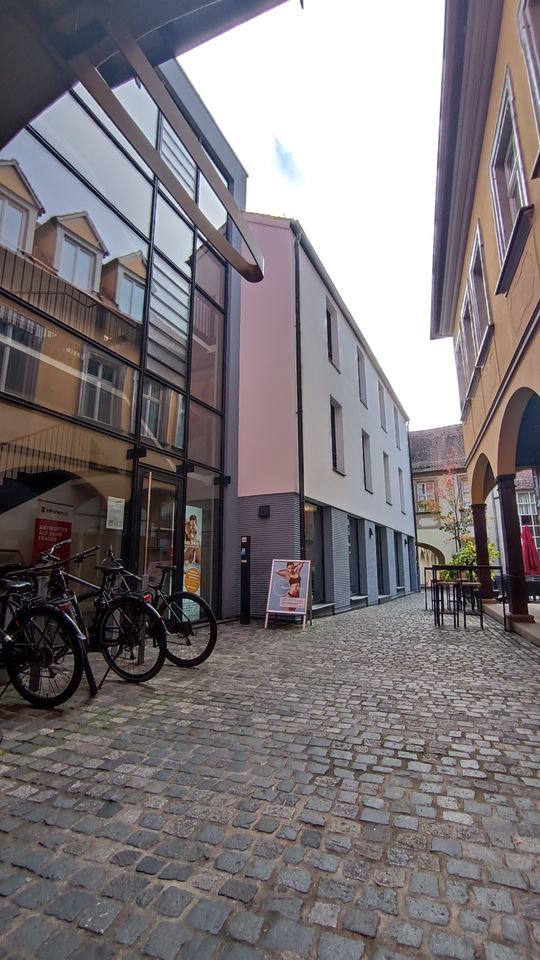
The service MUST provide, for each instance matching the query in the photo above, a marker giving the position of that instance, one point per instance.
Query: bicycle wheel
(132, 638)
(191, 628)
(44, 657)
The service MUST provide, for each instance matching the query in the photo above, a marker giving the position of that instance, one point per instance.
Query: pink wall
(267, 449)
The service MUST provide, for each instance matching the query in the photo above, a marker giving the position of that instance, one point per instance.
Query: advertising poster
(52, 524)
(115, 513)
(192, 549)
(289, 590)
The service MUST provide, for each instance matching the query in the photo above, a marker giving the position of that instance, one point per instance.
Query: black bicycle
(190, 624)
(40, 648)
(127, 630)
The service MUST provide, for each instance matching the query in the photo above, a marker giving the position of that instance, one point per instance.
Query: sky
(334, 110)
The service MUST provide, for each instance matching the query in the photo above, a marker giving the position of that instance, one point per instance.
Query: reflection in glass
(207, 352)
(173, 236)
(11, 224)
(70, 475)
(178, 159)
(76, 265)
(69, 128)
(145, 115)
(20, 343)
(168, 324)
(131, 299)
(204, 443)
(203, 497)
(210, 274)
(162, 410)
(211, 206)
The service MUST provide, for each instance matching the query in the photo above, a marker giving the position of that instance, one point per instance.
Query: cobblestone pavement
(370, 788)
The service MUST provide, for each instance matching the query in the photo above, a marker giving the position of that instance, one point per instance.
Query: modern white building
(324, 470)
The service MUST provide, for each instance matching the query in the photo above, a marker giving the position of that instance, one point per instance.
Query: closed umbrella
(531, 560)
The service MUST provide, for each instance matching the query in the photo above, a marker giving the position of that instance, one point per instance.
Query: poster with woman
(192, 549)
(289, 590)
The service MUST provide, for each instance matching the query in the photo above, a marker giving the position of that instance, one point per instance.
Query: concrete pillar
(482, 555)
(517, 589)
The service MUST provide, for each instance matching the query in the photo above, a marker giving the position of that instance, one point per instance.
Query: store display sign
(115, 513)
(289, 589)
(193, 528)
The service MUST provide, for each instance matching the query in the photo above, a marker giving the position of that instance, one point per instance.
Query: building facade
(324, 469)
(486, 269)
(119, 329)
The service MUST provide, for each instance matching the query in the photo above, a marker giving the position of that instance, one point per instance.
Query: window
(131, 298)
(401, 490)
(77, 265)
(468, 338)
(387, 486)
(464, 493)
(20, 343)
(332, 334)
(478, 291)
(382, 405)
(366, 460)
(461, 367)
(528, 18)
(336, 433)
(528, 513)
(101, 394)
(508, 190)
(362, 385)
(426, 496)
(12, 224)
(396, 428)
(151, 409)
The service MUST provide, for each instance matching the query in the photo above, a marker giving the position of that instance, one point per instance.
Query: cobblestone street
(369, 788)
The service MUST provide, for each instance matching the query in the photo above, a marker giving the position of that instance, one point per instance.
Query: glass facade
(113, 312)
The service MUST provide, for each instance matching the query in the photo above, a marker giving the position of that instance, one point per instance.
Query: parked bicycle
(40, 647)
(126, 629)
(189, 620)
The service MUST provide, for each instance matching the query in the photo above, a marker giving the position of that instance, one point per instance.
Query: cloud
(286, 163)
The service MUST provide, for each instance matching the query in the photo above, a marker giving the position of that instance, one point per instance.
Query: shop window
(313, 521)
(508, 188)
(101, 390)
(20, 343)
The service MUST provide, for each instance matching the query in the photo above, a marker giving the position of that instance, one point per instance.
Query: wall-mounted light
(405, 541)
(371, 531)
(264, 510)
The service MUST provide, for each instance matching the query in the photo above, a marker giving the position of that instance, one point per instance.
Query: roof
(39, 38)
(471, 35)
(438, 449)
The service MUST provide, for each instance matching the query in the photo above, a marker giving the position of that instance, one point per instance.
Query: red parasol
(531, 560)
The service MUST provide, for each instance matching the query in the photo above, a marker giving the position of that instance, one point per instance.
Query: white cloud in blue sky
(352, 91)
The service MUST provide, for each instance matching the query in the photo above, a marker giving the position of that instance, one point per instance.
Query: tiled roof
(438, 449)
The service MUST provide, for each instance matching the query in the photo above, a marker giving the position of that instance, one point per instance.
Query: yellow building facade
(486, 267)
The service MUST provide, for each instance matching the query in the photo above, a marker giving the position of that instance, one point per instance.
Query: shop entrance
(160, 498)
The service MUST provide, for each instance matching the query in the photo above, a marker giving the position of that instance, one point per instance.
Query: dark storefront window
(357, 559)
(382, 560)
(315, 548)
(203, 502)
(398, 547)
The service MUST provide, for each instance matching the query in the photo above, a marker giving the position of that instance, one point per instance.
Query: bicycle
(41, 648)
(127, 630)
(190, 624)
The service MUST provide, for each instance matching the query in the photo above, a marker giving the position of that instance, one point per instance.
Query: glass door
(160, 500)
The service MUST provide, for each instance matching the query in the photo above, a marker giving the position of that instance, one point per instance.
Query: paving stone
(134, 923)
(69, 905)
(499, 900)
(325, 914)
(333, 947)
(99, 918)
(360, 920)
(297, 878)
(444, 944)
(208, 916)
(238, 890)
(429, 910)
(172, 901)
(286, 935)
(405, 934)
(166, 940)
(245, 926)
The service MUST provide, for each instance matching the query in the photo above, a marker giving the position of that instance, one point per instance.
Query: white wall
(320, 381)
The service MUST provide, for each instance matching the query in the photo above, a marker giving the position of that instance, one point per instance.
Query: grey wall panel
(371, 563)
(340, 550)
(276, 537)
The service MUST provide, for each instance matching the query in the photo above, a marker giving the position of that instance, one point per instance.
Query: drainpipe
(297, 230)
(418, 584)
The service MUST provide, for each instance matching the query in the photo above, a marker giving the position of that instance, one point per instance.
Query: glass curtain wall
(112, 338)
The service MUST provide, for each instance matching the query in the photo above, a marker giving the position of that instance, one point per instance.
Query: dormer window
(131, 296)
(12, 224)
(77, 264)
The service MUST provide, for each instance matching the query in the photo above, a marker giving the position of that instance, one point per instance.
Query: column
(517, 589)
(482, 555)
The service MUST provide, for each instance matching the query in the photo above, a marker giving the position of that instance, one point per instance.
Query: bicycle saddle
(11, 586)
(166, 566)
